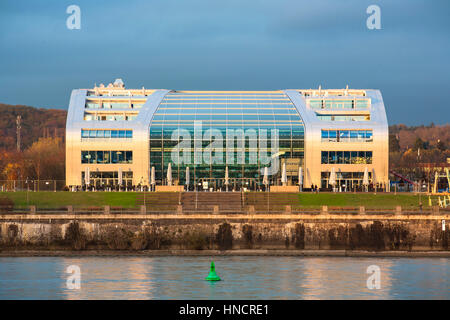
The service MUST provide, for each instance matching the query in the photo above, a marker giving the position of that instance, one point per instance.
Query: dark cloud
(211, 44)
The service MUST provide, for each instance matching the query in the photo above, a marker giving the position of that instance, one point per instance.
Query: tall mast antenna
(18, 127)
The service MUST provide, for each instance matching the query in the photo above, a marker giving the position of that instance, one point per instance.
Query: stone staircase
(160, 202)
(205, 201)
(226, 201)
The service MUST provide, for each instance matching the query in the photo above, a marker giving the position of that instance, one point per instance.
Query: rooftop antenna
(320, 90)
(346, 90)
(18, 126)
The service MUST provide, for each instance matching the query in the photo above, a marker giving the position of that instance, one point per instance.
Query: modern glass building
(115, 136)
(223, 120)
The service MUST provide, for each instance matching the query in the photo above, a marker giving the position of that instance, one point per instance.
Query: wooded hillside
(36, 123)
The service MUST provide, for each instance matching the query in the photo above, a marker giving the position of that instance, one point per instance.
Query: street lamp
(142, 188)
(28, 190)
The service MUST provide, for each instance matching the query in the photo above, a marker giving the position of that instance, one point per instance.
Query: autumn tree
(45, 159)
(11, 165)
(394, 145)
(441, 145)
(419, 144)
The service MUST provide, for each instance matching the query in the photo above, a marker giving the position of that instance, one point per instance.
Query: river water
(243, 278)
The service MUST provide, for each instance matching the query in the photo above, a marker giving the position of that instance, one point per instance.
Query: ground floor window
(243, 176)
(345, 180)
(101, 180)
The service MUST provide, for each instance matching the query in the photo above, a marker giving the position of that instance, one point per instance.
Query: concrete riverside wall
(377, 232)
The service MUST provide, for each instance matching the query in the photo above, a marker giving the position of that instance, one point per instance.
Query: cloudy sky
(230, 45)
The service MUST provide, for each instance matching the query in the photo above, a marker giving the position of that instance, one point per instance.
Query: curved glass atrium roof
(250, 111)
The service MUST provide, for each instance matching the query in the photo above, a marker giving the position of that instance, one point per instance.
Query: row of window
(347, 135)
(283, 130)
(109, 117)
(346, 157)
(226, 106)
(342, 118)
(124, 94)
(235, 94)
(107, 174)
(346, 175)
(228, 117)
(346, 104)
(247, 143)
(106, 157)
(225, 111)
(106, 133)
(334, 93)
(226, 101)
(214, 171)
(113, 105)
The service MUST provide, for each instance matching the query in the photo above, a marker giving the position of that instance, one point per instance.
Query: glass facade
(208, 123)
(346, 157)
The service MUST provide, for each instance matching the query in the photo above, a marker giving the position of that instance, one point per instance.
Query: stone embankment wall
(377, 232)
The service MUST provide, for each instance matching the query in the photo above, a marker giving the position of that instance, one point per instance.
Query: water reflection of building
(336, 278)
(142, 272)
(111, 278)
(70, 294)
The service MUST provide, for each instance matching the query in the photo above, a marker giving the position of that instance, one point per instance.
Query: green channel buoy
(212, 276)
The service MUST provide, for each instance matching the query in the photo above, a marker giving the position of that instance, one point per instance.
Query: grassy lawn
(129, 199)
(50, 199)
(369, 200)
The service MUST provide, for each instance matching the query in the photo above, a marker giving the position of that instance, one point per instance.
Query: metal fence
(32, 185)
